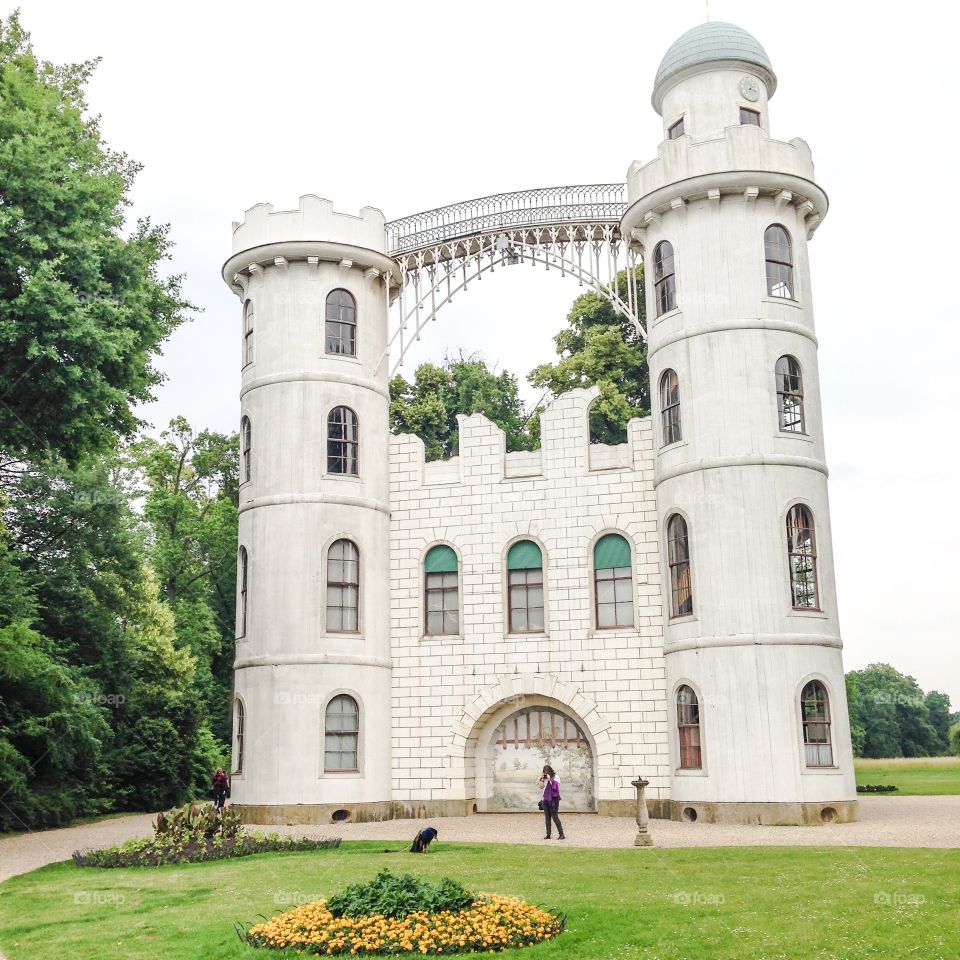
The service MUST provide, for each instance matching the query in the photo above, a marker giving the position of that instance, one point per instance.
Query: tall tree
(82, 308)
(429, 406)
(600, 347)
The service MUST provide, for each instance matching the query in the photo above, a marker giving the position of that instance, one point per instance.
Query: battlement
(315, 219)
(565, 450)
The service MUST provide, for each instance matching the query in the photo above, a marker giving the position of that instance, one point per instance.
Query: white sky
(412, 106)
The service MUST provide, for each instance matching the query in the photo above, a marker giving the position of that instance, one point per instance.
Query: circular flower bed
(490, 923)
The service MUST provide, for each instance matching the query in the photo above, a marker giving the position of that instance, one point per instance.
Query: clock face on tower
(750, 89)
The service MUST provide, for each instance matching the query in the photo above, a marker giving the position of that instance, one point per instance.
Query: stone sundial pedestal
(643, 838)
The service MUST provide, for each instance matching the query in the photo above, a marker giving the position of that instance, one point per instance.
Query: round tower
(312, 723)
(756, 697)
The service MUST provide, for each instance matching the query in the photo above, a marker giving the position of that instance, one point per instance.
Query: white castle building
(418, 639)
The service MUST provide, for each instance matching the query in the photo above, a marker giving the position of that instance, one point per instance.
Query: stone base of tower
(320, 813)
(766, 814)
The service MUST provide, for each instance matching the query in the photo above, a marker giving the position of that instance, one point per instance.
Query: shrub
(392, 895)
(875, 788)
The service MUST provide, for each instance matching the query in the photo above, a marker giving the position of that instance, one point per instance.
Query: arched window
(343, 587)
(664, 278)
(343, 442)
(441, 591)
(525, 588)
(802, 556)
(238, 734)
(245, 448)
(612, 582)
(670, 407)
(815, 712)
(776, 250)
(247, 332)
(341, 735)
(341, 323)
(688, 725)
(678, 559)
(790, 395)
(242, 571)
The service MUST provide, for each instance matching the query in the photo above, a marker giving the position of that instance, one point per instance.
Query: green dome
(710, 42)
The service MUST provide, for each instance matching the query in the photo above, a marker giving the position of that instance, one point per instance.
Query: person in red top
(221, 788)
(550, 786)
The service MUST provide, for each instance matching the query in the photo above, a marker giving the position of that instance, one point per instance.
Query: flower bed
(491, 923)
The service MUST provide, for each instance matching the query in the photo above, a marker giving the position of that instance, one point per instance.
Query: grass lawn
(722, 904)
(913, 776)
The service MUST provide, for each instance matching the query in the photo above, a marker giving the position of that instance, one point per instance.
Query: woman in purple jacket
(550, 786)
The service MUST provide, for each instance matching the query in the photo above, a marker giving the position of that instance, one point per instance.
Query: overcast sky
(416, 105)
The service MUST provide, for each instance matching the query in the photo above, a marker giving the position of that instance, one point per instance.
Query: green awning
(611, 551)
(524, 555)
(441, 559)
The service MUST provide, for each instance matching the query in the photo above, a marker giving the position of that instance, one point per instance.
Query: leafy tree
(938, 710)
(82, 308)
(429, 406)
(602, 348)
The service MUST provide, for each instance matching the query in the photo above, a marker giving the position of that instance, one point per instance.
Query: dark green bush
(875, 788)
(397, 895)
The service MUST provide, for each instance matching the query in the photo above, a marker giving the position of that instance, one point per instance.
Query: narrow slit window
(778, 253)
(245, 441)
(815, 711)
(664, 278)
(341, 323)
(678, 559)
(343, 587)
(688, 726)
(670, 407)
(790, 395)
(343, 442)
(239, 720)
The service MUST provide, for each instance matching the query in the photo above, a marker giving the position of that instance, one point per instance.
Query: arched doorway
(522, 743)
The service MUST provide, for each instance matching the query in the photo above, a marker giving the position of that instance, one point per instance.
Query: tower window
(242, 570)
(779, 257)
(245, 438)
(664, 278)
(613, 582)
(750, 117)
(678, 559)
(676, 130)
(525, 588)
(343, 587)
(790, 395)
(802, 557)
(341, 735)
(441, 591)
(815, 713)
(670, 407)
(343, 442)
(247, 332)
(688, 726)
(341, 323)
(238, 735)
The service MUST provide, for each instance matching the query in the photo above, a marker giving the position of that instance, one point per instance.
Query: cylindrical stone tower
(312, 724)
(757, 704)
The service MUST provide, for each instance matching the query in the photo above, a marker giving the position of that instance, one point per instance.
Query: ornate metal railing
(594, 203)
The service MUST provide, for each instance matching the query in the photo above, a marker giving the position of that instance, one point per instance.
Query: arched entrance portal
(520, 746)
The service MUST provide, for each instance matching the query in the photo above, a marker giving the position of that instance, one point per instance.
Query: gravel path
(885, 822)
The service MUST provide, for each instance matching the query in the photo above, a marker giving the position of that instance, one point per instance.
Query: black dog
(421, 842)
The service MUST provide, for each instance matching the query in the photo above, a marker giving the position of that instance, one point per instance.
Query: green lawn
(913, 776)
(722, 904)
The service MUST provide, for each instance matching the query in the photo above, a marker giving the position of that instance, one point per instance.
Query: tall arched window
(245, 439)
(343, 587)
(441, 599)
(802, 556)
(670, 407)
(247, 332)
(340, 325)
(238, 735)
(664, 278)
(242, 571)
(815, 712)
(612, 582)
(343, 442)
(688, 725)
(525, 588)
(790, 395)
(777, 252)
(341, 735)
(678, 559)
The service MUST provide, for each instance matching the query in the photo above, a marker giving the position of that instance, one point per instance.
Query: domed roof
(712, 41)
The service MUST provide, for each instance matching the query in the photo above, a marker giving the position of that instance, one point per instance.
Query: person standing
(550, 802)
(221, 788)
